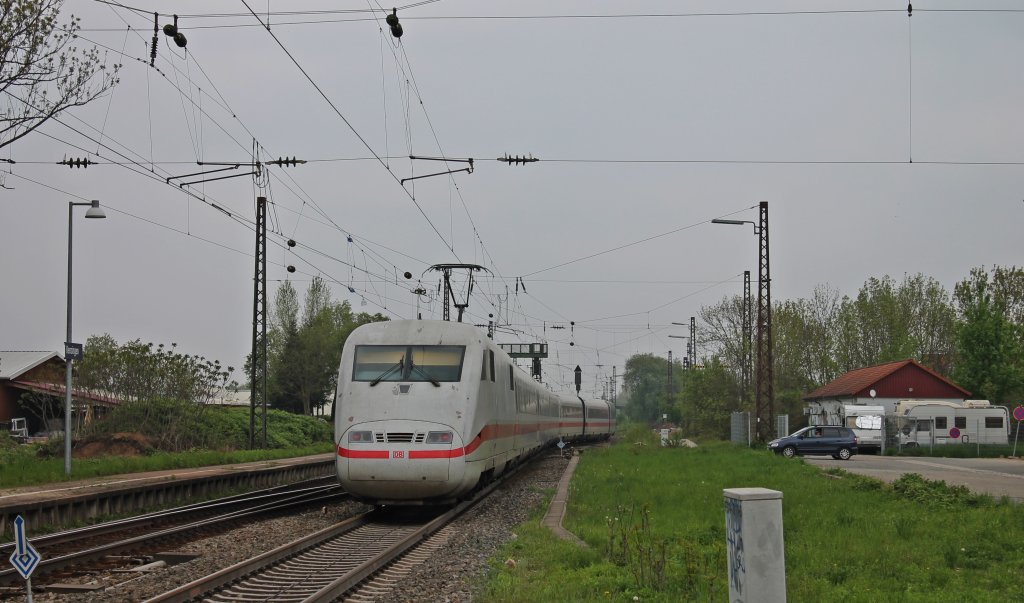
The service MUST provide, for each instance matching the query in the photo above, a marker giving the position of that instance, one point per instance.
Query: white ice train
(428, 410)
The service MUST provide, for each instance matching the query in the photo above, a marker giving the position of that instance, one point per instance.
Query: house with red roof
(886, 384)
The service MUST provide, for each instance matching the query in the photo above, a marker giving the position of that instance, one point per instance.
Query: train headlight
(439, 437)
(360, 437)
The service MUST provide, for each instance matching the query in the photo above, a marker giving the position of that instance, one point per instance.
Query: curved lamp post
(94, 211)
(764, 398)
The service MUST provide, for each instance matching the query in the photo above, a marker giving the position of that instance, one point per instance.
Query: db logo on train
(398, 454)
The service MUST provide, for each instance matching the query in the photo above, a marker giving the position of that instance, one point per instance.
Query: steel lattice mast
(764, 402)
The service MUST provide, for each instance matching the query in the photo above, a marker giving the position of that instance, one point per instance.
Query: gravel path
(450, 578)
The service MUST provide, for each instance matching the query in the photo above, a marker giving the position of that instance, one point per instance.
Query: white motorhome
(866, 421)
(929, 423)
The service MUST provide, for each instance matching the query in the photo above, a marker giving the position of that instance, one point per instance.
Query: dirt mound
(114, 444)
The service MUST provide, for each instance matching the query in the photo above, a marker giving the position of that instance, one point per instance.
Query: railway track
(329, 564)
(105, 545)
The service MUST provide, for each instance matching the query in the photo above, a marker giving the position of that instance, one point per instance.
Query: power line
(583, 16)
(624, 246)
(350, 126)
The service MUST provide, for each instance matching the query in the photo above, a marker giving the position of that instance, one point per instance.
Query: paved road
(998, 477)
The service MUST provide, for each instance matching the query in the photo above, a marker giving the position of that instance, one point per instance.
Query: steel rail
(290, 500)
(155, 517)
(275, 574)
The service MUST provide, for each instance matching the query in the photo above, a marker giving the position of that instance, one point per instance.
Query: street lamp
(734, 223)
(764, 396)
(70, 350)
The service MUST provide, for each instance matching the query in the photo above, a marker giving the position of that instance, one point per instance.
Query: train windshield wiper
(425, 374)
(397, 366)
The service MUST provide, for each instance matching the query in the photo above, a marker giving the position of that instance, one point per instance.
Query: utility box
(756, 551)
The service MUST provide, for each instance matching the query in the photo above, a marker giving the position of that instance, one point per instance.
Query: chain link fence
(908, 432)
(741, 427)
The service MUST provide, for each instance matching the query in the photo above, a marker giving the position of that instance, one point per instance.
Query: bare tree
(42, 71)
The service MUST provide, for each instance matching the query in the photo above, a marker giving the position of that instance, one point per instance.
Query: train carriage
(426, 411)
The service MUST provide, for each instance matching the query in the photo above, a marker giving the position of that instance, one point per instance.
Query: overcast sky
(647, 117)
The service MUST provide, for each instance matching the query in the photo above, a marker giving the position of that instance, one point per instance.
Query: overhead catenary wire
(543, 17)
(631, 244)
(289, 175)
(197, 109)
(351, 127)
(224, 105)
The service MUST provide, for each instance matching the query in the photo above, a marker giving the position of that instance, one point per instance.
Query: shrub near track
(654, 522)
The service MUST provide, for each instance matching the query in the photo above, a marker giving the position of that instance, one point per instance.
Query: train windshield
(433, 363)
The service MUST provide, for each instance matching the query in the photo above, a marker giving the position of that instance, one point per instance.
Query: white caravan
(929, 423)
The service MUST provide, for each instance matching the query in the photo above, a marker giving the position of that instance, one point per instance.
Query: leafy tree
(932, 324)
(798, 339)
(889, 321)
(721, 333)
(709, 395)
(161, 393)
(305, 350)
(989, 362)
(42, 72)
(874, 326)
(137, 371)
(645, 384)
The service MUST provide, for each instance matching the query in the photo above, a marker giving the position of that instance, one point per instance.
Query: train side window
(483, 367)
(492, 365)
(960, 422)
(511, 378)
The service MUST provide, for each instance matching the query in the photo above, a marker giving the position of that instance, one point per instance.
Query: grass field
(27, 469)
(654, 522)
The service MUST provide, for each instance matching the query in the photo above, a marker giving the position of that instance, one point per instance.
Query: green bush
(937, 493)
(175, 426)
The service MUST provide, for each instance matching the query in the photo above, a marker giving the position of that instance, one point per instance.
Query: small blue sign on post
(24, 558)
(72, 351)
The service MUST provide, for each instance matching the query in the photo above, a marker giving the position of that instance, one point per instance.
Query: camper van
(932, 423)
(865, 421)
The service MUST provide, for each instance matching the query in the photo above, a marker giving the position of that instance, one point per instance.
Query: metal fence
(741, 428)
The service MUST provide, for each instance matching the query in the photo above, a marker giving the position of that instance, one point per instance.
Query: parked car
(840, 442)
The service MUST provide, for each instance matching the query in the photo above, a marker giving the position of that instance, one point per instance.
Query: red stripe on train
(362, 454)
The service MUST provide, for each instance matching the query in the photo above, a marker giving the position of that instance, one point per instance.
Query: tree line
(973, 335)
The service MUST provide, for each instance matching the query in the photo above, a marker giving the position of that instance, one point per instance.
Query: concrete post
(756, 552)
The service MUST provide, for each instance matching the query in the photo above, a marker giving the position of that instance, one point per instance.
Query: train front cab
(421, 453)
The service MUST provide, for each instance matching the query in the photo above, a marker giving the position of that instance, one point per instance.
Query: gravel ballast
(453, 577)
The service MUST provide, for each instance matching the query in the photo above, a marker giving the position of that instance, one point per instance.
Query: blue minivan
(839, 442)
